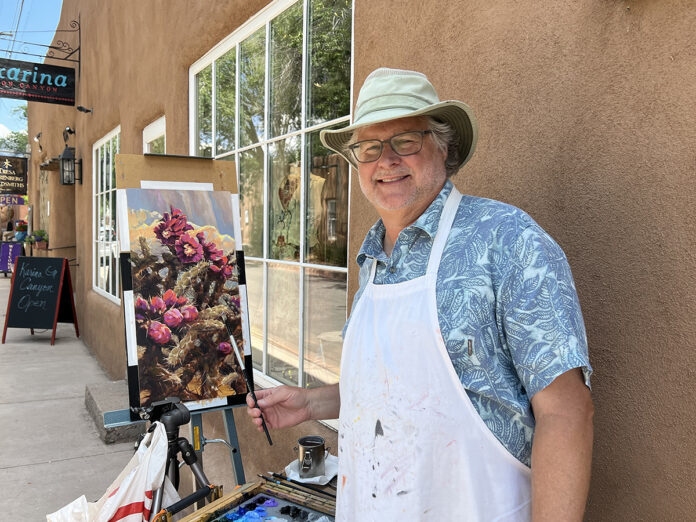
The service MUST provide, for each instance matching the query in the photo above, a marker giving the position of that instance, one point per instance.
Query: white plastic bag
(129, 497)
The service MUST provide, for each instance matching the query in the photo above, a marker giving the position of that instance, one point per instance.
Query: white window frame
(153, 131)
(96, 192)
(264, 17)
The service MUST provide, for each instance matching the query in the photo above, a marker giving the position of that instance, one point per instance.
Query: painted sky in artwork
(202, 208)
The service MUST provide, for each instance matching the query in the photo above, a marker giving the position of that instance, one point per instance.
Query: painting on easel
(187, 281)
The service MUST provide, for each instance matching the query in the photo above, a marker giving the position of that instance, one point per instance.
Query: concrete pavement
(50, 449)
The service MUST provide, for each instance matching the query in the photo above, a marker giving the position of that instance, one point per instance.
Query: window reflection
(284, 198)
(252, 77)
(254, 280)
(286, 71)
(327, 205)
(204, 112)
(283, 322)
(225, 101)
(328, 93)
(324, 317)
(251, 200)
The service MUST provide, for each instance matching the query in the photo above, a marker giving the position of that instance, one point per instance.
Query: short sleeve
(540, 313)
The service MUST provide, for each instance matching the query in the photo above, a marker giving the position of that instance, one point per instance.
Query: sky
(33, 21)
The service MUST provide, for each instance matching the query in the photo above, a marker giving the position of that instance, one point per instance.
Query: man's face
(402, 187)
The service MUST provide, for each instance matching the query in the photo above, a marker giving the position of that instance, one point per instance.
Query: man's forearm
(562, 450)
(324, 402)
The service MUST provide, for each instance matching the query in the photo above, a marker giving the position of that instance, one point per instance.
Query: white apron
(411, 445)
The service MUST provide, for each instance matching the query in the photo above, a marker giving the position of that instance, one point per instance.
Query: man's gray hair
(444, 136)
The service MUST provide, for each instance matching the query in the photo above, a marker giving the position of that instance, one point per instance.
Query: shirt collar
(427, 222)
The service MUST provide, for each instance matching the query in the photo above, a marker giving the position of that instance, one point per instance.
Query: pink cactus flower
(157, 305)
(172, 226)
(141, 308)
(223, 267)
(210, 251)
(188, 249)
(170, 298)
(190, 313)
(159, 333)
(173, 318)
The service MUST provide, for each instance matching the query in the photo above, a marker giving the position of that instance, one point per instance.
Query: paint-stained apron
(411, 444)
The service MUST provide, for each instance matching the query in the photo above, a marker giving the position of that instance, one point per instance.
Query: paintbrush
(250, 386)
(308, 486)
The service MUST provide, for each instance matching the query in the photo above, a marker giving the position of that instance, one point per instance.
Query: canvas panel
(185, 279)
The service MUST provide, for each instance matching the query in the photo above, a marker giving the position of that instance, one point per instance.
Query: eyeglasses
(403, 144)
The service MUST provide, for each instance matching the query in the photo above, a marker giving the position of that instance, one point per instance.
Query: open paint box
(266, 501)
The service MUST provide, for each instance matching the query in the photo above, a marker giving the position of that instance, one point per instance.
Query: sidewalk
(50, 450)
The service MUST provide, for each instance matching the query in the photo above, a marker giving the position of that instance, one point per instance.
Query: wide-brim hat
(389, 94)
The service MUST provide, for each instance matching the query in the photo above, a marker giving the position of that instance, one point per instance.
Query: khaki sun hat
(389, 94)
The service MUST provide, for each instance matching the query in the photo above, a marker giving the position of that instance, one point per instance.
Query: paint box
(261, 501)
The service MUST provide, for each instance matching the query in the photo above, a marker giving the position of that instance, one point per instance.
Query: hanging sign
(37, 82)
(13, 175)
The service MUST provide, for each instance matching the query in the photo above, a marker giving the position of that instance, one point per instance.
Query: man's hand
(562, 449)
(286, 406)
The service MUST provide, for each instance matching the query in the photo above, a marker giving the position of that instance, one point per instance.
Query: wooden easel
(167, 168)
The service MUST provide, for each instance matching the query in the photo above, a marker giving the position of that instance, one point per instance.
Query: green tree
(15, 141)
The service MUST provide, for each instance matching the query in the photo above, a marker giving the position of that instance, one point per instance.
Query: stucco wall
(586, 117)
(587, 121)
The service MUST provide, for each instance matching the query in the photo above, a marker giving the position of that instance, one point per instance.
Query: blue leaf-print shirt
(504, 288)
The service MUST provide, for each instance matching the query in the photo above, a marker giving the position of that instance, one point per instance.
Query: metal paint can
(311, 456)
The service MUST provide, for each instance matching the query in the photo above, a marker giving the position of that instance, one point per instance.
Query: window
(260, 98)
(154, 137)
(105, 274)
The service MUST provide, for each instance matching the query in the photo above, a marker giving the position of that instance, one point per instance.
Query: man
(464, 375)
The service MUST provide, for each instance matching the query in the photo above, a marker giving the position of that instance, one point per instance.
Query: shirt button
(392, 269)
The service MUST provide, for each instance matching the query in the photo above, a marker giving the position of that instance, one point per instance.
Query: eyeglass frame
(422, 133)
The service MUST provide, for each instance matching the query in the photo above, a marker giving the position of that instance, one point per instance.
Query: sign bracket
(66, 49)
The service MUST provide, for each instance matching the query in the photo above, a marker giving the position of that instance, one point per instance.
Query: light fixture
(68, 164)
(37, 139)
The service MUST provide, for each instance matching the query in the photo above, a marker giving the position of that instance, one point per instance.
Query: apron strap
(443, 229)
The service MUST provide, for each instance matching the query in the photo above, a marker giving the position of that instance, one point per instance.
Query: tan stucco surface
(586, 117)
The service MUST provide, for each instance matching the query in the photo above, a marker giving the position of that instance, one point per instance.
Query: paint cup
(311, 456)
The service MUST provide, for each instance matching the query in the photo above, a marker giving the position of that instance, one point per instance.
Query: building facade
(586, 115)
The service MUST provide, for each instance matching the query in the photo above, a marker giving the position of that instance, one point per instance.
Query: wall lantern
(68, 164)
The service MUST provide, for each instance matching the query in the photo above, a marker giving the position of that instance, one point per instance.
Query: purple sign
(8, 253)
(11, 199)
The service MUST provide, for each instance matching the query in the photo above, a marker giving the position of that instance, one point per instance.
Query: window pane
(328, 84)
(112, 165)
(156, 146)
(225, 101)
(254, 279)
(284, 198)
(283, 322)
(324, 317)
(251, 200)
(251, 88)
(326, 227)
(286, 71)
(204, 112)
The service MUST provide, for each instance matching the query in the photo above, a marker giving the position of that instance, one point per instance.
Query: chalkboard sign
(41, 295)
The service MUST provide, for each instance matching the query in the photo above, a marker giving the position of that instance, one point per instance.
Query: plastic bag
(129, 497)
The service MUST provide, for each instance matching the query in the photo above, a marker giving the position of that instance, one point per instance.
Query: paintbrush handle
(263, 421)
